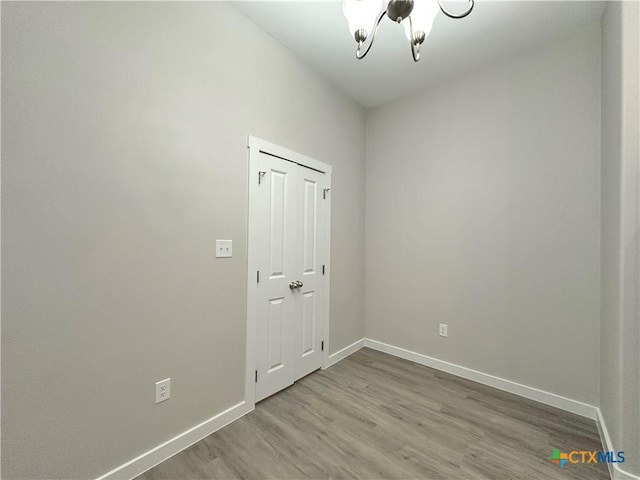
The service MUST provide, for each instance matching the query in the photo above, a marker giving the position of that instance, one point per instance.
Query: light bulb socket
(418, 37)
(360, 35)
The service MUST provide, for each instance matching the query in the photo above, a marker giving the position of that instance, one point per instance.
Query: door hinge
(258, 276)
(322, 345)
(323, 269)
(256, 376)
(260, 175)
(324, 193)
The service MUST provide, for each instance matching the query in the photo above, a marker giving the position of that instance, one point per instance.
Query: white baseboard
(156, 455)
(153, 457)
(615, 472)
(159, 454)
(344, 353)
(531, 393)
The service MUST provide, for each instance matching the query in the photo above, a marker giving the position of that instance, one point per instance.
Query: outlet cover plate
(444, 330)
(163, 390)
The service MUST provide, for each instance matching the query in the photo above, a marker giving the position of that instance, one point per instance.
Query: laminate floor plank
(373, 415)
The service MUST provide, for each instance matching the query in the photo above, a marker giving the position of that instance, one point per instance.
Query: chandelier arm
(360, 56)
(452, 15)
(415, 47)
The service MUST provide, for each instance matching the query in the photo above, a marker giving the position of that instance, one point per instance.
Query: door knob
(293, 285)
(299, 284)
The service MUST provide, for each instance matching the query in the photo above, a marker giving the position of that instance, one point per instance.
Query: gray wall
(620, 336)
(124, 157)
(483, 212)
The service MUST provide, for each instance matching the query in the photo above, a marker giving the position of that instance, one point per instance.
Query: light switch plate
(224, 248)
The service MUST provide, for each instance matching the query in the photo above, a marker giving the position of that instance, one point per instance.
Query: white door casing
(289, 241)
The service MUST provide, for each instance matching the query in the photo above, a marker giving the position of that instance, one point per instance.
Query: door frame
(255, 146)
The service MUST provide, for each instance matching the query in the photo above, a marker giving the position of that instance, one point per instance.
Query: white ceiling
(317, 32)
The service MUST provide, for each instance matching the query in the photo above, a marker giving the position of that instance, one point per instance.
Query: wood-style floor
(376, 416)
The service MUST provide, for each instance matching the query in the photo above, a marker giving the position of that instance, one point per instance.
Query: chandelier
(416, 16)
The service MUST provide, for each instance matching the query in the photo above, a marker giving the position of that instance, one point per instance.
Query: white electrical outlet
(224, 248)
(444, 330)
(163, 390)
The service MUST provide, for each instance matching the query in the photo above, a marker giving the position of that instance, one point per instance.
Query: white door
(289, 223)
(309, 268)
